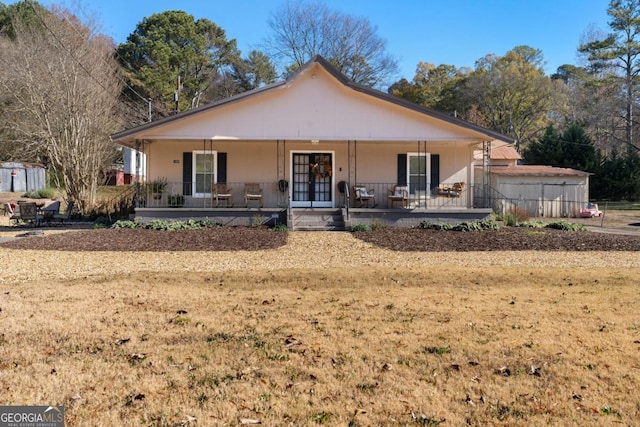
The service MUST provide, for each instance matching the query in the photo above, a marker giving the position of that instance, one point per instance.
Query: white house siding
(130, 159)
(313, 108)
(316, 111)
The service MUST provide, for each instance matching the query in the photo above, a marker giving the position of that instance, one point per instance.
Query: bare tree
(301, 30)
(61, 89)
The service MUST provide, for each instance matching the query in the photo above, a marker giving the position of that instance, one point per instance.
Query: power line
(68, 51)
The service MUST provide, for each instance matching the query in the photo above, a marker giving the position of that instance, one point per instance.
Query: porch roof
(383, 103)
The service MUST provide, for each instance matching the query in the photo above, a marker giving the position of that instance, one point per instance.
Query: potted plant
(157, 187)
(176, 200)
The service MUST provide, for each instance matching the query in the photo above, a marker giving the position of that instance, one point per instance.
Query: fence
(535, 199)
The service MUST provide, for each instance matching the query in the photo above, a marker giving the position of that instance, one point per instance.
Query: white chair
(399, 193)
(364, 195)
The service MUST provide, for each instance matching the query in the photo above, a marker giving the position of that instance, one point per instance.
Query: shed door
(312, 180)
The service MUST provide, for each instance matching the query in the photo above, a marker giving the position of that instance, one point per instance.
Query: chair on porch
(363, 196)
(219, 192)
(454, 191)
(252, 191)
(399, 193)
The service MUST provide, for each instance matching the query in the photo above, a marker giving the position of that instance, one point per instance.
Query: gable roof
(128, 137)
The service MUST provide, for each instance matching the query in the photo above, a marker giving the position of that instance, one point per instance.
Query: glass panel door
(312, 180)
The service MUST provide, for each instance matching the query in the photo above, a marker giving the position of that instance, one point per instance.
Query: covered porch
(315, 141)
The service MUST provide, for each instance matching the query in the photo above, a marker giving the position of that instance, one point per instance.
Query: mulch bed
(397, 239)
(206, 239)
(504, 239)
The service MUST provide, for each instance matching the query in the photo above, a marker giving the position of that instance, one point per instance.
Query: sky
(437, 31)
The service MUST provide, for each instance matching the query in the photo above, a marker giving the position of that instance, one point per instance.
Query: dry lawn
(360, 346)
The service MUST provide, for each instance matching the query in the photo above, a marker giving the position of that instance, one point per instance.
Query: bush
(376, 224)
(566, 226)
(43, 193)
(486, 224)
(426, 225)
(127, 224)
(534, 223)
(509, 219)
(176, 200)
(360, 227)
(46, 193)
(280, 227)
(521, 214)
(167, 225)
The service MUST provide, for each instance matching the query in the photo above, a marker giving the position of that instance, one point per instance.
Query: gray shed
(21, 177)
(541, 191)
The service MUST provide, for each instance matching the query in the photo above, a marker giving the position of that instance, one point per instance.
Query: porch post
(136, 197)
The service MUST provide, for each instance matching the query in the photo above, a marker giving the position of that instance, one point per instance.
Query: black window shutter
(435, 171)
(402, 169)
(187, 173)
(222, 167)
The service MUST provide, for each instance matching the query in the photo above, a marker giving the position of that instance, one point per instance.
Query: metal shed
(541, 191)
(21, 177)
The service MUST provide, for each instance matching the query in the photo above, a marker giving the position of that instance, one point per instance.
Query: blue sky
(437, 31)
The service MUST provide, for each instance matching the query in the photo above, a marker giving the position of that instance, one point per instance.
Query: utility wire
(68, 51)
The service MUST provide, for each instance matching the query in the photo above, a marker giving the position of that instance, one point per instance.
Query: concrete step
(317, 220)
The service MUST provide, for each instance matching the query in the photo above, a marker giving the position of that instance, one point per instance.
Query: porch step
(317, 220)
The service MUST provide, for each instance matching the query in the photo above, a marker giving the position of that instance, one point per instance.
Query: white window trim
(427, 170)
(194, 194)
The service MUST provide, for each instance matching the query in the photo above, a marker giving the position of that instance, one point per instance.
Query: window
(204, 172)
(418, 170)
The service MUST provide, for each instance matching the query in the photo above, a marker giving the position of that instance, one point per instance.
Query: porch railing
(426, 199)
(176, 194)
(173, 195)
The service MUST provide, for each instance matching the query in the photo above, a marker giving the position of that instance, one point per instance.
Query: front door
(312, 180)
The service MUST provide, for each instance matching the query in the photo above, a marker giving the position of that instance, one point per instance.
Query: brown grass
(357, 347)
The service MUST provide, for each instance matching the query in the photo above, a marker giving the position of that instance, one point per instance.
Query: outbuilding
(17, 177)
(538, 190)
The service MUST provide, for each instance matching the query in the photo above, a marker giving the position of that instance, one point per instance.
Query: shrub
(360, 227)
(280, 227)
(191, 224)
(566, 226)
(43, 193)
(127, 224)
(509, 219)
(46, 193)
(175, 200)
(376, 224)
(533, 223)
(486, 224)
(476, 226)
(521, 214)
(426, 225)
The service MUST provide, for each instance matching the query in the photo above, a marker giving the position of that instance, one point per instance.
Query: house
(540, 191)
(132, 169)
(307, 141)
